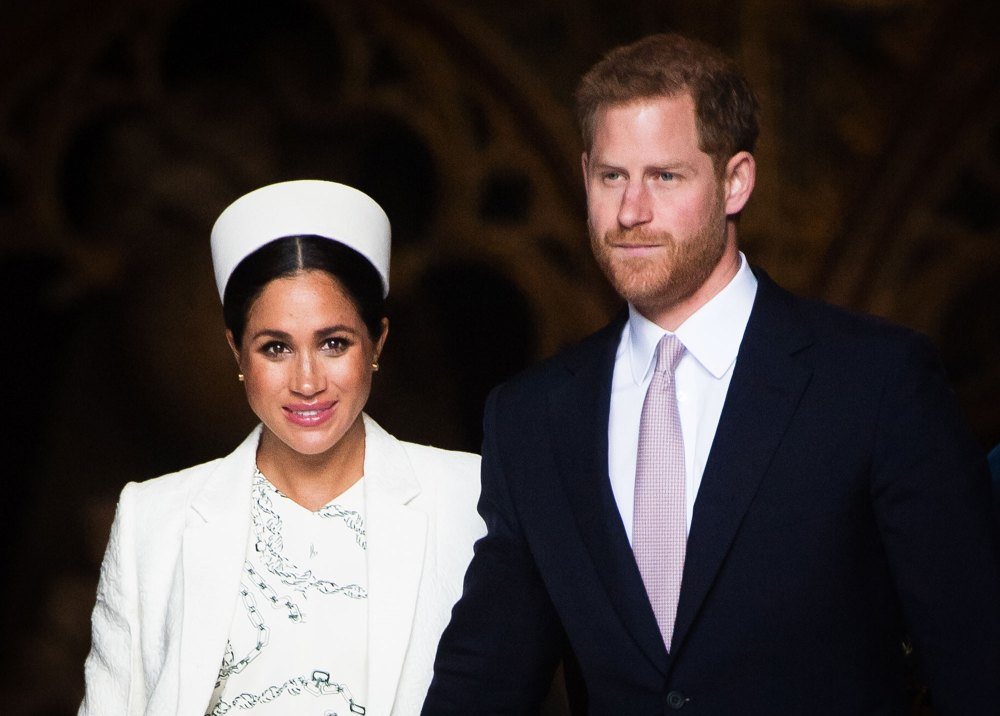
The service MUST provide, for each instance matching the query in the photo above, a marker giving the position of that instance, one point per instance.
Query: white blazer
(170, 578)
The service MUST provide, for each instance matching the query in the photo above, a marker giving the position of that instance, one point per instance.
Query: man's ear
(741, 173)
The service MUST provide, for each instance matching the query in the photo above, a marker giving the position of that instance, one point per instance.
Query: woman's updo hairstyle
(287, 256)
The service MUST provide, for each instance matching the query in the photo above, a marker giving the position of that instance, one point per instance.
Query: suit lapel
(579, 419)
(396, 536)
(766, 374)
(214, 546)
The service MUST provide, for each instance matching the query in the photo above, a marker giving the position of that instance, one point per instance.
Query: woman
(312, 570)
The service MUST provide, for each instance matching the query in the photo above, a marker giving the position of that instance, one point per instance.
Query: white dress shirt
(712, 337)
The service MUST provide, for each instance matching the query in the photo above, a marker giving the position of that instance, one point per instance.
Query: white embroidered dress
(298, 641)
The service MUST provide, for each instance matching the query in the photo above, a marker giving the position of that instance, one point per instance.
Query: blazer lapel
(766, 374)
(214, 546)
(579, 417)
(396, 537)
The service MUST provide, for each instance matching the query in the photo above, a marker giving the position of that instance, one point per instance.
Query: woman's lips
(309, 416)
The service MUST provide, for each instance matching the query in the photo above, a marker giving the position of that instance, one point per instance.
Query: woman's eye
(336, 344)
(274, 348)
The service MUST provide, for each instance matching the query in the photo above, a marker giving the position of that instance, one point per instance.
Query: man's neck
(672, 316)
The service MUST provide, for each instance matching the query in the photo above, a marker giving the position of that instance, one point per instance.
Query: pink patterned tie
(659, 527)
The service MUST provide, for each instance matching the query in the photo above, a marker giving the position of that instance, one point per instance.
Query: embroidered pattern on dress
(267, 528)
(269, 544)
(318, 684)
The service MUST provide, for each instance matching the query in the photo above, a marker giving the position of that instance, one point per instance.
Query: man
(834, 504)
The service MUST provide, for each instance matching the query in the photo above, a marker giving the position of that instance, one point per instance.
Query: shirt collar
(711, 335)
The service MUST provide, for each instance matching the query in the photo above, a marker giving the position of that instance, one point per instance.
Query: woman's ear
(380, 343)
(232, 346)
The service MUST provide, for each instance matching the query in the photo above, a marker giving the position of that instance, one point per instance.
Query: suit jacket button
(676, 700)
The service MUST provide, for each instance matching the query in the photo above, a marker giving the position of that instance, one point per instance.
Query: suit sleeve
(499, 652)
(112, 670)
(931, 498)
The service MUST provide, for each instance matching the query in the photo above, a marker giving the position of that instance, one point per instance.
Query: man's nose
(636, 207)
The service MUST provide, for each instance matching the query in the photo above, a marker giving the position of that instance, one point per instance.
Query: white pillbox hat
(293, 208)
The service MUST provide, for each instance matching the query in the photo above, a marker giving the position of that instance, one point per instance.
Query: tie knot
(668, 353)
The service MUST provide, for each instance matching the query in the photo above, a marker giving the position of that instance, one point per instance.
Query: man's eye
(612, 176)
(667, 176)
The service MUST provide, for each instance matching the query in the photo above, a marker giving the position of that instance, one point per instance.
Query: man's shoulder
(829, 323)
(590, 353)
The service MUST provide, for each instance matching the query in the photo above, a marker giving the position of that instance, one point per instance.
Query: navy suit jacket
(843, 513)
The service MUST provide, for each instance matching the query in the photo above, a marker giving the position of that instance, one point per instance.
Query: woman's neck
(313, 480)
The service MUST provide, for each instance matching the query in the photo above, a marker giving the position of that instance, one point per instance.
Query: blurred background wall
(126, 126)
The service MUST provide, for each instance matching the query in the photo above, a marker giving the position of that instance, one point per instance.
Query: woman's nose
(308, 379)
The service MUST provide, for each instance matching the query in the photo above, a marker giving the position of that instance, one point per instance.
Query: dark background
(127, 126)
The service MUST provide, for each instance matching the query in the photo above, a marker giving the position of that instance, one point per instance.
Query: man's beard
(655, 283)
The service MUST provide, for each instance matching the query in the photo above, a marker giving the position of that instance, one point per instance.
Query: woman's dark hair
(289, 255)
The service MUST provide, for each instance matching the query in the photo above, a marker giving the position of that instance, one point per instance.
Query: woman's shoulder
(181, 486)
(449, 490)
(441, 458)
(441, 483)
(174, 481)
(161, 494)
(421, 457)
(451, 475)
